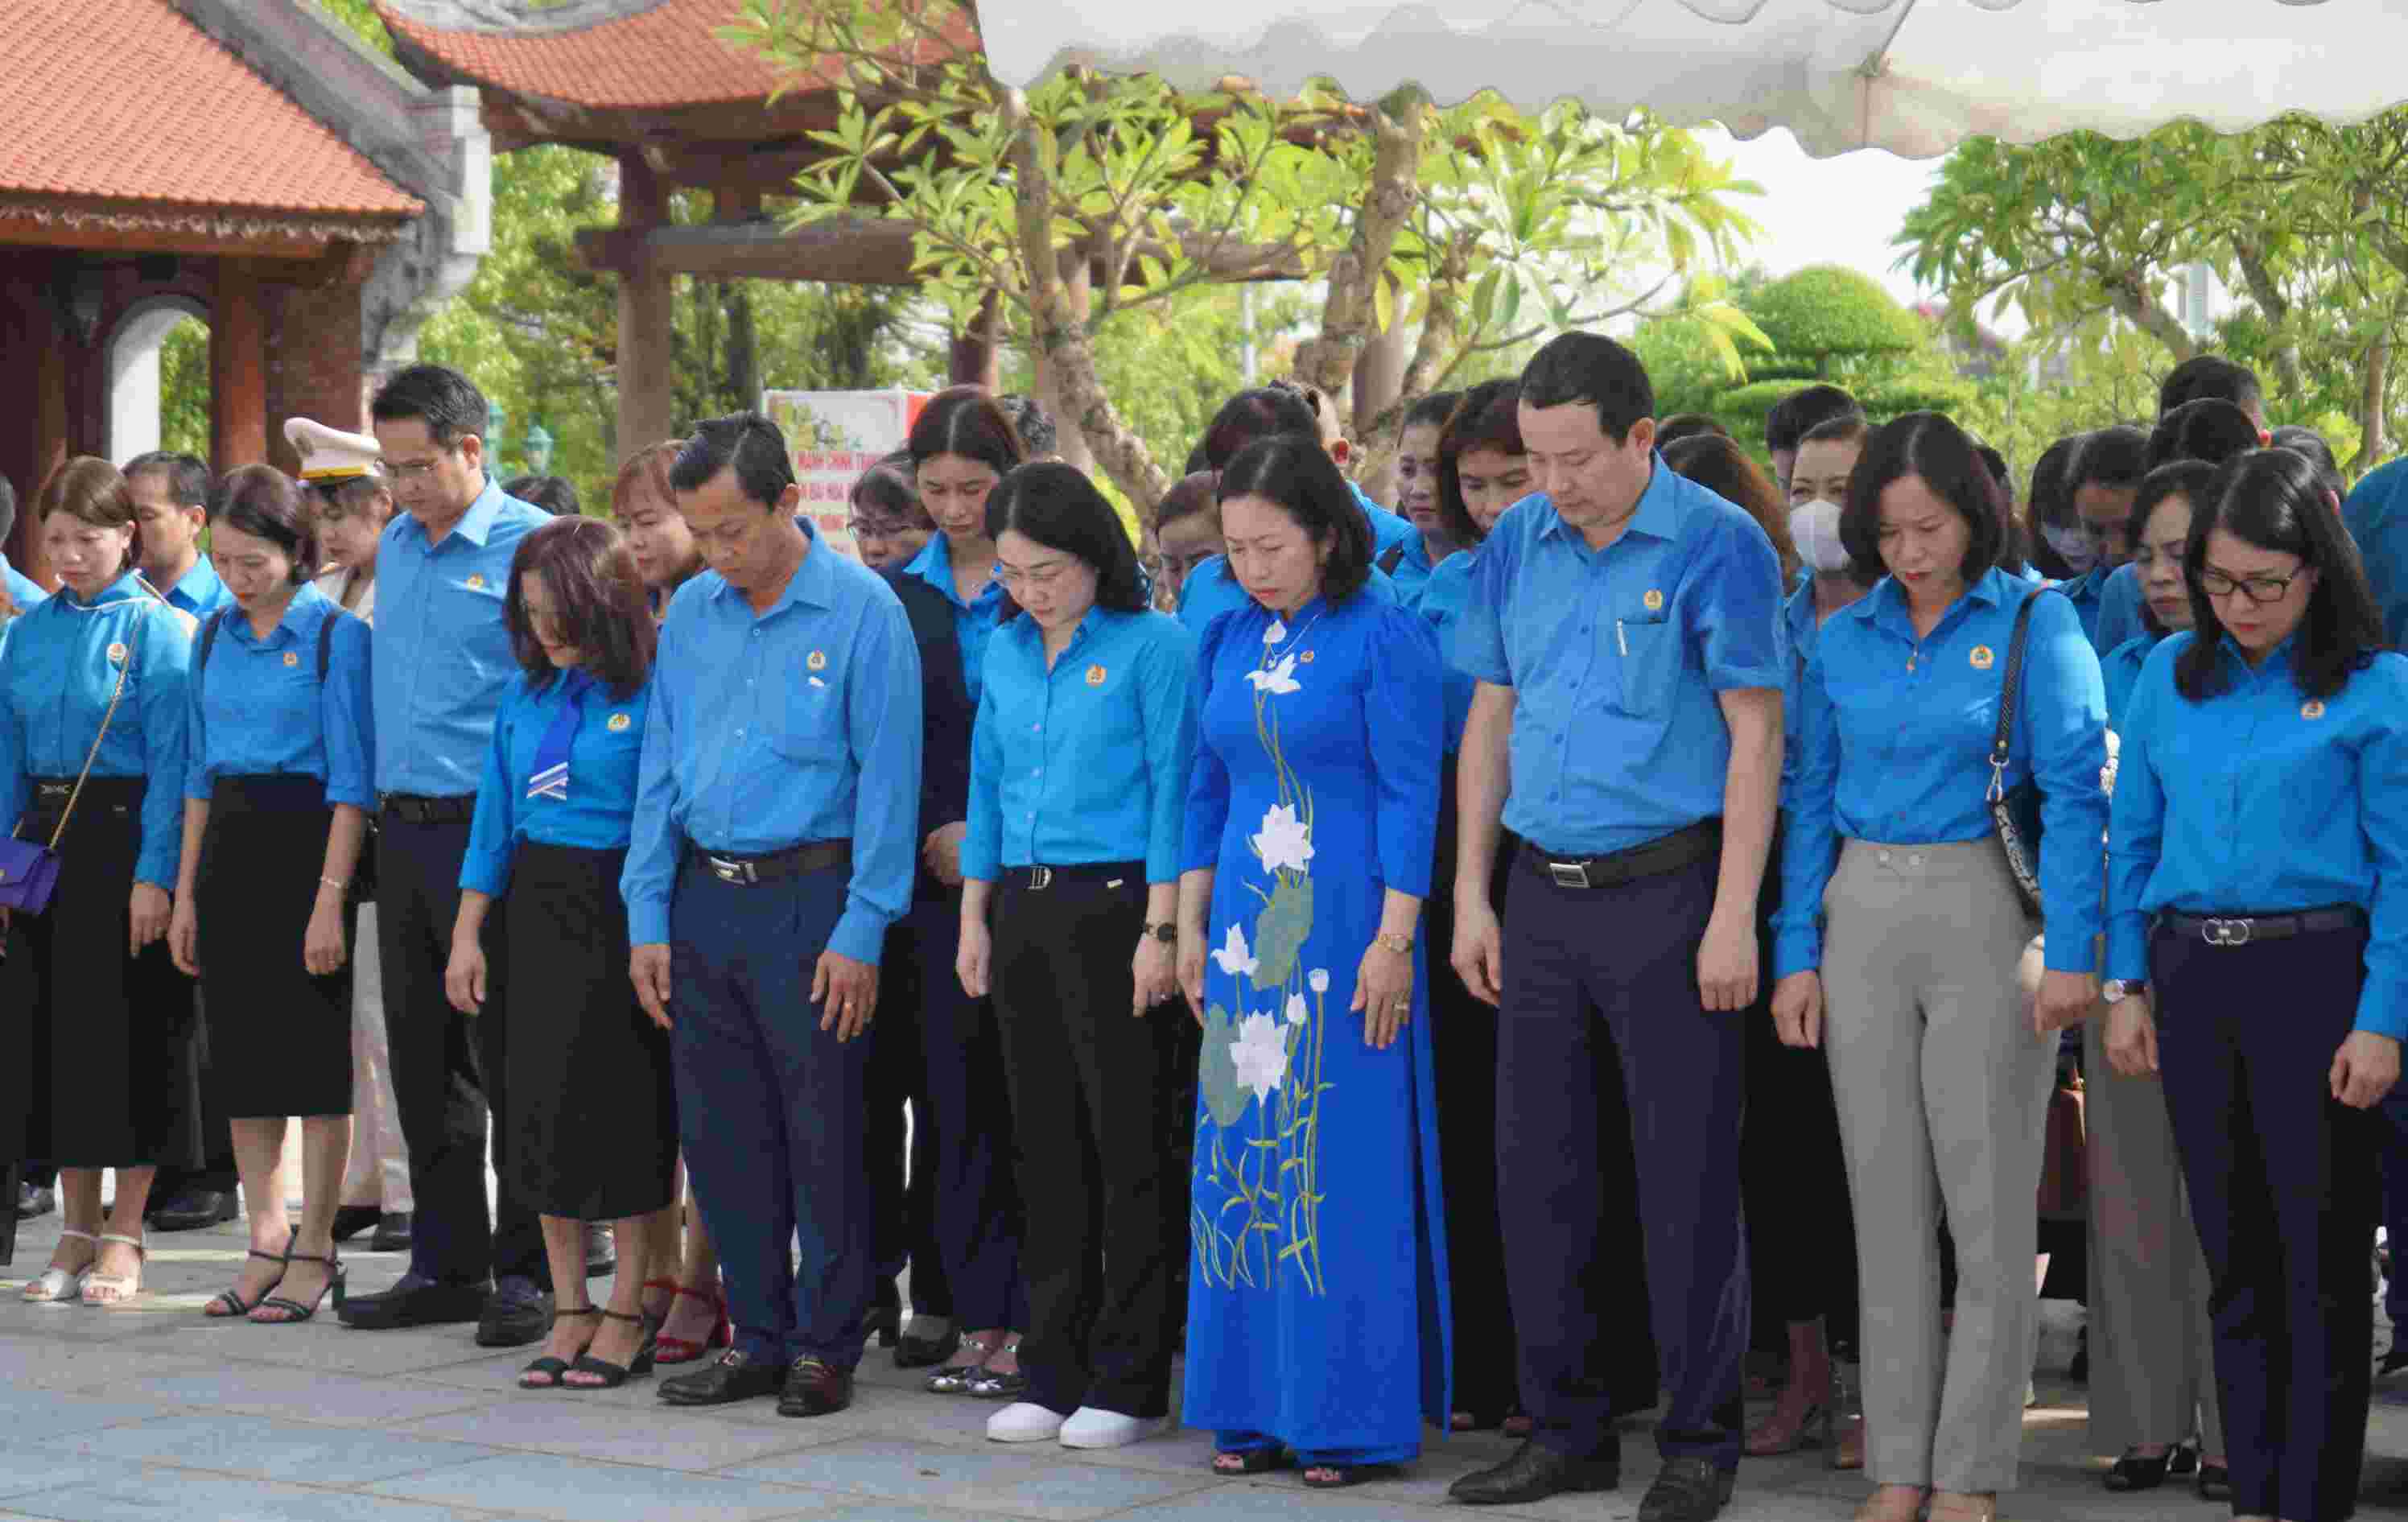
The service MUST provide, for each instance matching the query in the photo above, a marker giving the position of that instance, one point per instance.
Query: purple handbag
(29, 873)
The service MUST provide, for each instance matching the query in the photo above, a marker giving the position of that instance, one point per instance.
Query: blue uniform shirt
(2085, 592)
(442, 657)
(801, 723)
(1894, 743)
(257, 708)
(1086, 763)
(200, 591)
(974, 620)
(2258, 800)
(1413, 571)
(2376, 516)
(1796, 629)
(2119, 610)
(1615, 657)
(2119, 672)
(1440, 601)
(1210, 591)
(603, 761)
(22, 590)
(57, 671)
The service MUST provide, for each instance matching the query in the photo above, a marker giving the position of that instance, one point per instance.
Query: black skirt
(113, 1049)
(279, 1040)
(594, 1109)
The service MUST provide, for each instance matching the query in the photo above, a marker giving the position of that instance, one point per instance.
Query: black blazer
(946, 716)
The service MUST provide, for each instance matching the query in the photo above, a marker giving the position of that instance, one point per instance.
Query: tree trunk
(1327, 360)
(2263, 289)
(2137, 304)
(1058, 331)
(2372, 445)
(743, 345)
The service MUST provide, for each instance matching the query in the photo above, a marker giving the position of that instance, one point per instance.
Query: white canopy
(1910, 76)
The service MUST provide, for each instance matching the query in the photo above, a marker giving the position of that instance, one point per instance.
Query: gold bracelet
(1401, 945)
(338, 888)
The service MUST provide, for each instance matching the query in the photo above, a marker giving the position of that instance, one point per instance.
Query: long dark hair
(1489, 417)
(967, 421)
(1299, 474)
(1722, 468)
(600, 604)
(2273, 498)
(1056, 505)
(2185, 479)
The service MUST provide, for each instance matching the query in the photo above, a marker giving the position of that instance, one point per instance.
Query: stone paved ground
(157, 1413)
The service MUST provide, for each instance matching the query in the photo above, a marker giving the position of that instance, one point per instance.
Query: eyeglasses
(876, 528)
(2258, 589)
(1043, 576)
(406, 471)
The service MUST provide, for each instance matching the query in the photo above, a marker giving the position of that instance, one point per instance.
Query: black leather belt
(1039, 879)
(750, 871)
(416, 808)
(2241, 930)
(1668, 853)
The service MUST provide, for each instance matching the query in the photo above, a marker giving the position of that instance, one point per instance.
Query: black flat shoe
(391, 1233)
(2182, 1462)
(350, 1220)
(2134, 1472)
(1534, 1473)
(926, 1352)
(413, 1302)
(731, 1377)
(885, 1323)
(2214, 1483)
(516, 1314)
(194, 1210)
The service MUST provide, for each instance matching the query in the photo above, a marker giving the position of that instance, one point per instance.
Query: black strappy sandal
(549, 1367)
(1342, 1476)
(234, 1310)
(613, 1375)
(1260, 1461)
(295, 1311)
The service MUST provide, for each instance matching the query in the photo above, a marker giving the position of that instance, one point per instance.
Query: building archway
(135, 424)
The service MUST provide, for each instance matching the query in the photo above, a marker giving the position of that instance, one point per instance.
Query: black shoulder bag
(2014, 813)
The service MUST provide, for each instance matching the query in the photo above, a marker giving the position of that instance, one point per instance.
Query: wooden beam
(237, 368)
(841, 251)
(24, 232)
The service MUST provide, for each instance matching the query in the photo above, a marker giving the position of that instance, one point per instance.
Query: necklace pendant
(1909, 663)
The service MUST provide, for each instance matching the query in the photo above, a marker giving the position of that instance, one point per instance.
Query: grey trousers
(2152, 1348)
(1941, 1090)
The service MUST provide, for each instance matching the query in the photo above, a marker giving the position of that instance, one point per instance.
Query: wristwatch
(1166, 932)
(2117, 990)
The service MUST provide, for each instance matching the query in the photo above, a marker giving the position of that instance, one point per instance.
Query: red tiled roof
(125, 100)
(669, 55)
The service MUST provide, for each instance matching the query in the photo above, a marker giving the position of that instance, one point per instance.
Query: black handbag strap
(2009, 687)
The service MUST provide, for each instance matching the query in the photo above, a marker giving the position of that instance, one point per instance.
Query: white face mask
(1814, 530)
(2077, 549)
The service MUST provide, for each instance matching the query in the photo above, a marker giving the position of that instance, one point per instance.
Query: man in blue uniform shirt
(171, 501)
(1622, 629)
(440, 660)
(777, 827)
(22, 590)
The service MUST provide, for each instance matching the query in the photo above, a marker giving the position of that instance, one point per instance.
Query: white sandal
(103, 1290)
(57, 1285)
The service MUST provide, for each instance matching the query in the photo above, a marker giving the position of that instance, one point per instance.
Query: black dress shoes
(601, 1251)
(516, 1314)
(2134, 1472)
(926, 1352)
(1686, 1491)
(414, 1301)
(33, 1203)
(815, 1389)
(391, 1233)
(732, 1377)
(350, 1220)
(1534, 1473)
(193, 1210)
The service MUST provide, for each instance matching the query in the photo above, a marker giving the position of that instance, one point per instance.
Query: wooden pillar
(1069, 441)
(38, 442)
(974, 361)
(647, 387)
(237, 368)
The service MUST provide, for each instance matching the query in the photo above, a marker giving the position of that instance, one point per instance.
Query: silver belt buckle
(1040, 878)
(1568, 874)
(731, 871)
(2224, 932)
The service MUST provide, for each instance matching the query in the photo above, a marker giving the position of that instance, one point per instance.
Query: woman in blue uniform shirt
(276, 793)
(596, 1120)
(1938, 1073)
(2258, 932)
(95, 676)
(1086, 727)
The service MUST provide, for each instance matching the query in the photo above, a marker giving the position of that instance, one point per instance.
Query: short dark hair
(1670, 431)
(1432, 410)
(346, 494)
(2050, 502)
(1590, 368)
(187, 477)
(448, 402)
(1716, 463)
(2209, 428)
(1489, 417)
(1846, 428)
(601, 603)
(2273, 499)
(91, 491)
(8, 507)
(1032, 423)
(2187, 479)
(1928, 446)
(967, 421)
(1190, 495)
(1298, 475)
(746, 443)
(1263, 412)
(2116, 457)
(1059, 508)
(554, 495)
(1786, 420)
(262, 502)
(2208, 375)
(2303, 440)
(887, 488)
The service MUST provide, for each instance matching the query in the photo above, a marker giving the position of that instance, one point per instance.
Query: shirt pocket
(1647, 662)
(806, 715)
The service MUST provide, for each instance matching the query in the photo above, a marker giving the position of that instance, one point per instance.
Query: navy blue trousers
(2395, 1209)
(2282, 1186)
(771, 1110)
(1590, 974)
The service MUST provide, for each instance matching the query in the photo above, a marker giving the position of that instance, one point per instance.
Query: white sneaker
(1092, 1428)
(1023, 1421)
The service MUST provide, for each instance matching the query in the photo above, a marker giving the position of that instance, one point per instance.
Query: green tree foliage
(184, 389)
(1826, 316)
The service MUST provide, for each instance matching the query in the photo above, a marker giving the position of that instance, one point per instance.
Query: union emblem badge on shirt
(1982, 659)
(476, 584)
(291, 658)
(1654, 601)
(618, 723)
(2312, 709)
(117, 654)
(1095, 676)
(818, 661)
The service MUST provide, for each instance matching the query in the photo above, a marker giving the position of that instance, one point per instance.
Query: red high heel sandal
(684, 1350)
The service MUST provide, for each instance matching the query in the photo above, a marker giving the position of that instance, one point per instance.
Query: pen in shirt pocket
(1621, 642)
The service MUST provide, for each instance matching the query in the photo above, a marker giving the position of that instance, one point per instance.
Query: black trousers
(448, 1068)
(2282, 1182)
(906, 1228)
(1088, 1086)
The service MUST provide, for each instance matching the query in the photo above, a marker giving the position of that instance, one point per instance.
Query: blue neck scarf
(550, 778)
